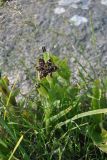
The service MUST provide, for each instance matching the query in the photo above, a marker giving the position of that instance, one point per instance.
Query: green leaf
(43, 91)
(96, 94)
(50, 81)
(16, 92)
(81, 115)
(46, 56)
(15, 148)
(3, 143)
(100, 140)
(61, 114)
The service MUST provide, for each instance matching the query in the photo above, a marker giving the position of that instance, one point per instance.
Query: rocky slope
(68, 28)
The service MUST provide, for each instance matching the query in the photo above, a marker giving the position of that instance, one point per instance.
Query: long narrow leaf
(61, 114)
(81, 115)
(15, 148)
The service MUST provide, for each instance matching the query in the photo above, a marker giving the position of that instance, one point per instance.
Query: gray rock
(25, 26)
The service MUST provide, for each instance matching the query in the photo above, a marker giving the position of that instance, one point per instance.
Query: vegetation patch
(58, 119)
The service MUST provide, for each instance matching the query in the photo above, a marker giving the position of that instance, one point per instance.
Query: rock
(26, 26)
(78, 20)
(59, 10)
(104, 2)
(84, 4)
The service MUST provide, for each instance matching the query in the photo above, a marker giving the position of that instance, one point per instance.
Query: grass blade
(81, 115)
(15, 148)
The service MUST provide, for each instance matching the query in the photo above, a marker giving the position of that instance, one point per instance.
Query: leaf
(81, 115)
(64, 70)
(50, 80)
(96, 91)
(61, 114)
(43, 91)
(16, 92)
(96, 94)
(8, 130)
(3, 143)
(46, 56)
(4, 86)
(94, 132)
(15, 148)
(100, 140)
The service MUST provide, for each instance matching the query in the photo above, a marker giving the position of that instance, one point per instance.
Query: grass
(57, 120)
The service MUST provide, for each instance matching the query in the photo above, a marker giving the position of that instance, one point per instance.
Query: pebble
(78, 20)
(104, 2)
(59, 10)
